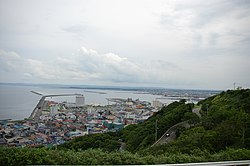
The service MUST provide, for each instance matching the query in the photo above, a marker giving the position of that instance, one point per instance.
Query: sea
(17, 101)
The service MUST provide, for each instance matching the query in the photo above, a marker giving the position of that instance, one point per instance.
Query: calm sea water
(17, 102)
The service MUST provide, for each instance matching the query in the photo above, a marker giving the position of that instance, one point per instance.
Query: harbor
(37, 112)
(60, 115)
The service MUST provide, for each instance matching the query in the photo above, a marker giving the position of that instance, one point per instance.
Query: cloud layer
(87, 66)
(84, 65)
(176, 44)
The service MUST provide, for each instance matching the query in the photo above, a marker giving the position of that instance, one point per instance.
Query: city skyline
(171, 44)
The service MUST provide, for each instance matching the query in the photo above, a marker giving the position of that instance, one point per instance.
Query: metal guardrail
(222, 163)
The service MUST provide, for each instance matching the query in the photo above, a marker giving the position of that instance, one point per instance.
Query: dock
(37, 112)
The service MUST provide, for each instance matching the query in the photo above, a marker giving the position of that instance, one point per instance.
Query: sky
(189, 44)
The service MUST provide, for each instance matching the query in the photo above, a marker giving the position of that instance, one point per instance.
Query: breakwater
(37, 112)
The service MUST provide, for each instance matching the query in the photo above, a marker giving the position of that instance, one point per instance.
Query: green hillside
(225, 123)
(143, 135)
(221, 133)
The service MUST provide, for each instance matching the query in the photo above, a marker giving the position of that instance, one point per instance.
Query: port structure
(36, 113)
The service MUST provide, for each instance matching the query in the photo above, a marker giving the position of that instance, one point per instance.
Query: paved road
(170, 134)
(167, 138)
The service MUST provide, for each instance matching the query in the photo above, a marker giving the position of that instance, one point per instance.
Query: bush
(43, 156)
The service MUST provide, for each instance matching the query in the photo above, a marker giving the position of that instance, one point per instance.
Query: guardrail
(221, 163)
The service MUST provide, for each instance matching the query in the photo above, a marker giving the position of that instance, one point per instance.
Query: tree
(192, 117)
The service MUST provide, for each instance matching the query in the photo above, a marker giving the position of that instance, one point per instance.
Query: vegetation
(143, 135)
(228, 115)
(225, 123)
(44, 156)
(107, 142)
(222, 133)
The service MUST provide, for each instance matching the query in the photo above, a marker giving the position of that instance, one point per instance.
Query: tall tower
(80, 100)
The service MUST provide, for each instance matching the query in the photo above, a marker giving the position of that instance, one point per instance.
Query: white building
(54, 109)
(80, 100)
(157, 104)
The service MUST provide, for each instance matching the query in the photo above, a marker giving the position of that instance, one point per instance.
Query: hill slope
(225, 123)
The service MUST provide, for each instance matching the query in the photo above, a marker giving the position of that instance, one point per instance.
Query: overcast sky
(172, 44)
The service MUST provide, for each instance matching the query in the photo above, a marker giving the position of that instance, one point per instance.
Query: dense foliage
(42, 156)
(228, 115)
(143, 135)
(225, 123)
(107, 142)
(222, 133)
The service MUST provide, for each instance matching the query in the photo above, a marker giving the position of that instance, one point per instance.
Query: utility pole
(207, 108)
(156, 130)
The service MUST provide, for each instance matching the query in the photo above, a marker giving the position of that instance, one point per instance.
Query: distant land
(104, 87)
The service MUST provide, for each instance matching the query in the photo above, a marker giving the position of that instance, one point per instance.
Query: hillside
(221, 133)
(143, 135)
(225, 123)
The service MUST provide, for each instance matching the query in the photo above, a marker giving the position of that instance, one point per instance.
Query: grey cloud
(204, 13)
(77, 29)
(163, 64)
(246, 40)
(241, 3)
(213, 38)
(91, 66)
(9, 61)
(219, 24)
(161, 43)
(87, 65)
(198, 40)
(107, 66)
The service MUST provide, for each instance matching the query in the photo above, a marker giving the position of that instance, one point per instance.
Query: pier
(37, 112)
(36, 93)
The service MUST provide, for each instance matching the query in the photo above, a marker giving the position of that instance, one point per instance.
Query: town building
(157, 104)
(80, 101)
